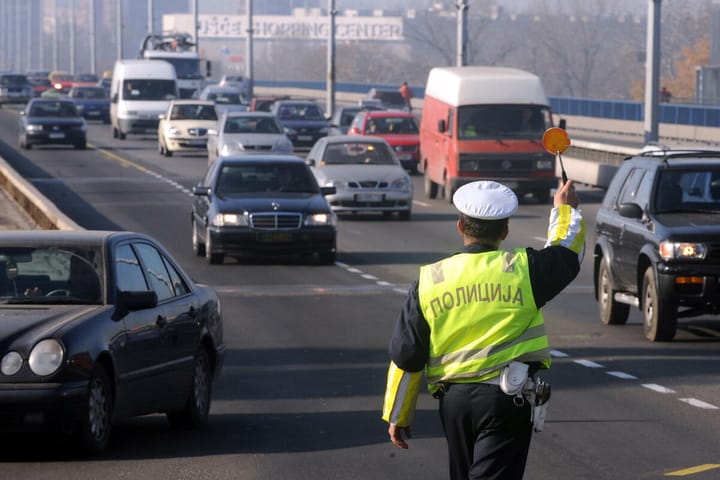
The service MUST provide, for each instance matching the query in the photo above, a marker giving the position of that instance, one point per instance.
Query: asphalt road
(302, 387)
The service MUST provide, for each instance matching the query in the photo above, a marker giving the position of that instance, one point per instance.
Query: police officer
(468, 317)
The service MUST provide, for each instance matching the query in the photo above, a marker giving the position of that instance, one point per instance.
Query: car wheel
(161, 149)
(197, 407)
(115, 132)
(95, 426)
(197, 246)
(431, 188)
(327, 257)
(542, 196)
(659, 314)
(611, 312)
(121, 135)
(212, 258)
(404, 214)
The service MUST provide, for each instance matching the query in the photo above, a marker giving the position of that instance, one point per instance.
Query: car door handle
(161, 321)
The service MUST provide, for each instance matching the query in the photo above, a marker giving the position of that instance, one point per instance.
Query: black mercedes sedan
(51, 121)
(262, 204)
(100, 326)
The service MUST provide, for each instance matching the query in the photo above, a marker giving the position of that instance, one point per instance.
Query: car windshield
(13, 80)
(390, 97)
(225, 98)
(42, 82)
(690, 190)
(357, 153)
(52, 109)
(144, 89)
(89, 93)
(392, 126)
(51, 274)
(252, 125)
(193, 112)
(300, 111)
(493, 121)
(264, 178)
(86, 77)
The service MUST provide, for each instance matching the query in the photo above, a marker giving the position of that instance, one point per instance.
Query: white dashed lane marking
(626, 376)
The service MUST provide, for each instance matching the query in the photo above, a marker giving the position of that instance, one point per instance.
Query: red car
(62, 81)
(399, 129)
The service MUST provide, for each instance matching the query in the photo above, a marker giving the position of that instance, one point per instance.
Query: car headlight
(80, 108)
(401, 183)
(230, 148)
(32, 128)
(173, 131)
(81, 127)
(290, 131)
(544, 164)
(284, 145)
(230, 220)
(682, 250)
(11, 363)
(320, 219)
(46, 357)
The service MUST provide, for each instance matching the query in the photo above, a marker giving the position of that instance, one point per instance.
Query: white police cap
(485, 200)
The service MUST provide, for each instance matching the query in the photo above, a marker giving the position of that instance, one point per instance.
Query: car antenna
(556, 141)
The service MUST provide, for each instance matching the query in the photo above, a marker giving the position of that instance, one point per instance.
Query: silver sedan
(366, 174)
(247, 132)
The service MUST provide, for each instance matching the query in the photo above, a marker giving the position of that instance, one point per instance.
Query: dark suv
(658, 240)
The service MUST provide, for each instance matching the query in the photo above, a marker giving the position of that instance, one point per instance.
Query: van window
(149, 89)
(511, 121)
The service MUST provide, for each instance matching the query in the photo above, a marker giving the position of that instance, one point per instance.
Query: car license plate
(405, 156)
(198, 143)
(275, 237)
(369, 197)
(94, 112)
(305, 138)
(57, 135)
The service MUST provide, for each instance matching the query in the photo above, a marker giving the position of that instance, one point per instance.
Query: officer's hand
(565, 195)
(396, 435)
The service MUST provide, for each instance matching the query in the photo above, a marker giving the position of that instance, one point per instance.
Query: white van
(140, 92)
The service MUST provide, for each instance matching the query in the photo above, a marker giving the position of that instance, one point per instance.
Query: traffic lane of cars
(368, 238)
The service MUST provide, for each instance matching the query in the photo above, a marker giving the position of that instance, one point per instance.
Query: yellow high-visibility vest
(482, 315)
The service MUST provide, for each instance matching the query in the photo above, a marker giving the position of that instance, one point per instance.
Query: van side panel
(436, 148)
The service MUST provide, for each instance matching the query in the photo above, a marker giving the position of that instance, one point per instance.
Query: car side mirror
(310, 162)
(328, 190)
(114, 98)
(630, 210)
(128, 301)
(563, 124)
(442, 126)
(201, 191)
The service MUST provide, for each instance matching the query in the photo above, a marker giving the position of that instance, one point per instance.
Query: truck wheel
(431, 188)
(611, 312)
(448, 190)
(659, 314)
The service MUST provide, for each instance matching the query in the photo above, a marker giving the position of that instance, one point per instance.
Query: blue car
(303, 120)
(93, 103)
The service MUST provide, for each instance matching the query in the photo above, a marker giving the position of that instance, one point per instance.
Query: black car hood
(281, 202)
(37, 321)
(685, 223)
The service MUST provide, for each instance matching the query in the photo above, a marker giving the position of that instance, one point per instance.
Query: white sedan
(247, 132)
(185, 125)
(366, 174)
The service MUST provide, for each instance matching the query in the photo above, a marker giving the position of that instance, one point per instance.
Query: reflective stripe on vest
(482, 315)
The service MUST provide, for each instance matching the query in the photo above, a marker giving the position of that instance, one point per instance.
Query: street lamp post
(331, 59)
(652, 71)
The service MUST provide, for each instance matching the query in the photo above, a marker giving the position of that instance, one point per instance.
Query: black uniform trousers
(488, 435)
